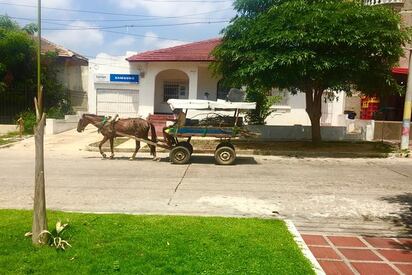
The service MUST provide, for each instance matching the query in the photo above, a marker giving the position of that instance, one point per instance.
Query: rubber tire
(225, 144)
(225, 155)
(187, 145)
(179, 155)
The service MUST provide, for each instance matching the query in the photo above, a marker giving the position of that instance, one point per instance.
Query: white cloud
(125, 41)
(77, 38)
(152, 42)
(171, 8)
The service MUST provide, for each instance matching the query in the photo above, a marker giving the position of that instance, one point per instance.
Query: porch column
(193, 80)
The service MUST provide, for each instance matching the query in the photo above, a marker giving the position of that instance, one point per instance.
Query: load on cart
(213, 121)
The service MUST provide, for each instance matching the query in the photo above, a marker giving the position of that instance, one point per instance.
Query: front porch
(174, 80)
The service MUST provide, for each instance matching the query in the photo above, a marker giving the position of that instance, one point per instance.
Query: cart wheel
(179, 155)
(225, 144)
(225, 155)
(187, 145)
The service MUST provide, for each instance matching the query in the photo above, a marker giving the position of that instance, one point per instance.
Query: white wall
(207, 84)
(331, 111)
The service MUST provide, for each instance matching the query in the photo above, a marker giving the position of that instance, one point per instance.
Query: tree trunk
(314, 110)
(39, 205)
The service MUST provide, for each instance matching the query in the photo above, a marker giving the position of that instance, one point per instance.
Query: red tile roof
(197, 51)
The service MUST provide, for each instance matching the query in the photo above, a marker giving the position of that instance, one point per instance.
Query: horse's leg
(111, 148)
(135, 150)
(101, 144)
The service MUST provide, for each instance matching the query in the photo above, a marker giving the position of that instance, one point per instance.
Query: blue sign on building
(128, 78)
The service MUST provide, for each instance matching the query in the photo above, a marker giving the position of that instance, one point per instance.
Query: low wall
(56, 126)
(297, 132)
(7, 128)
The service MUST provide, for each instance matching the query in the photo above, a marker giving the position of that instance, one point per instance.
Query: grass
(127, 244)
(9, 138)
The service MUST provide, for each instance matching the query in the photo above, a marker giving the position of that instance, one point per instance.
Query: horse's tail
(154, 139)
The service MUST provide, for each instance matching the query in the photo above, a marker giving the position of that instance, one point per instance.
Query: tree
(311, 46)
(18, 74)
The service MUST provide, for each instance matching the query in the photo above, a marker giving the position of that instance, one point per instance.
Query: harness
(104, 121)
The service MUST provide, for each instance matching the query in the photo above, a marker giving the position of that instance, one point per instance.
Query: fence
(12, 103)
(388, 130)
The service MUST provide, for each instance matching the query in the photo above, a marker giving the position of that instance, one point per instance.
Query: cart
(225, 152)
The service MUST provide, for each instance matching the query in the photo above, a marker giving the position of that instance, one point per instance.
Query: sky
(112, 27)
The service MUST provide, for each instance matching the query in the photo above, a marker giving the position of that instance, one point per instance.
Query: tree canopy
(18, 72)
(311, 46)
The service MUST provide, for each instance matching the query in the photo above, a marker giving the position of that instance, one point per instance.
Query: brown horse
(137, 127)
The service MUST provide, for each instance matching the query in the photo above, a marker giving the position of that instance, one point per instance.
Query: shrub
(263, 103)
(29, 118)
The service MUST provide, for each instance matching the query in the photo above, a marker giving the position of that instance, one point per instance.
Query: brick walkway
(361, 255)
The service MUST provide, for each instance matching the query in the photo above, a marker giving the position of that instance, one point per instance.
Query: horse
(137, 127)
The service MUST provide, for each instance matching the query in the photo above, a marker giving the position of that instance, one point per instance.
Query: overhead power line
(79, 28)
(111, 13)
(111, 31)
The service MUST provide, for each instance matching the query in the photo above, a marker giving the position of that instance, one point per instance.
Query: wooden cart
(182, 150)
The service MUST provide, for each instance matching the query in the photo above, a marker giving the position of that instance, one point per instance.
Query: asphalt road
(372, 196)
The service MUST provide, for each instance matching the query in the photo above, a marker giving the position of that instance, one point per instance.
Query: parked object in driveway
(351, 114)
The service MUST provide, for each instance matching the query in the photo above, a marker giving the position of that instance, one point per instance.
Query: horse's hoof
(104, 156)
(131, 159)
(111, 157)
(156, 159)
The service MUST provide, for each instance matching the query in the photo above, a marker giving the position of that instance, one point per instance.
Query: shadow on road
(195, 159)
(404, 216)
(211, 160)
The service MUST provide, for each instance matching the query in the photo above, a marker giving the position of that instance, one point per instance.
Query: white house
(140, 84)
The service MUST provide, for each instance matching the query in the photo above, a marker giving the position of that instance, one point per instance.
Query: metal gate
(110, 102)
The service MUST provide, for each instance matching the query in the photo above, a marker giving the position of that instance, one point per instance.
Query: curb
(304, 248)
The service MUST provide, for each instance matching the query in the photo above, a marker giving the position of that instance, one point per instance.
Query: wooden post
(39, 205)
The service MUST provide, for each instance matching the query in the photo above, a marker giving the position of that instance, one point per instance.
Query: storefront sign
(101, 78)
(129, 78)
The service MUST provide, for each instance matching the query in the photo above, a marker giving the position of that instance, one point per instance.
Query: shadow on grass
(404, 216)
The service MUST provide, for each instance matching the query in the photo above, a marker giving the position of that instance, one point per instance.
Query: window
(170, 90)
(222, 91)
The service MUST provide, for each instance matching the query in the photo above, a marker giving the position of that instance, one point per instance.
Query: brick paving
(348, 255)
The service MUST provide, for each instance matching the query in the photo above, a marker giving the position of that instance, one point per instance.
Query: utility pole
(406, 124)
(39, 203)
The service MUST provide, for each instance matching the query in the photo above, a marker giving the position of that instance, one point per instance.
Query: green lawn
(128, 244)
(8, 138)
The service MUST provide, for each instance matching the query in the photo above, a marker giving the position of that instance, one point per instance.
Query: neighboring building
(142, 85)
(72, 73)
(391, 106)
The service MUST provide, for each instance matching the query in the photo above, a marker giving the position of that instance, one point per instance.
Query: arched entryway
(170, 84)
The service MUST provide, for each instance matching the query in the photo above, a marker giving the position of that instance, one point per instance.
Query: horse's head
(83, 122)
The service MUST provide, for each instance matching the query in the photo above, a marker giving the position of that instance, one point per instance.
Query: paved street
(372, 196)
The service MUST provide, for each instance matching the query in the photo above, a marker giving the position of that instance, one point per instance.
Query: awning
(400, 70)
